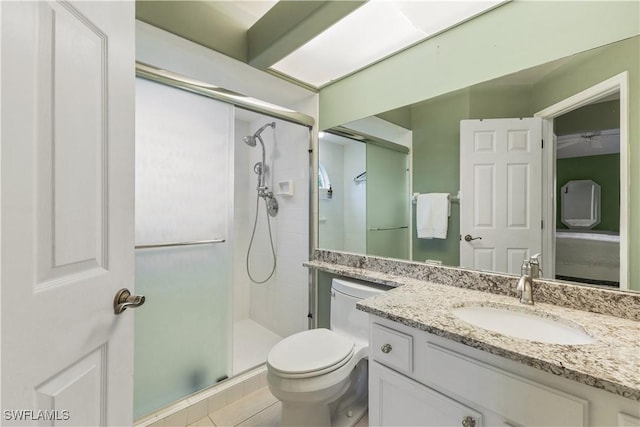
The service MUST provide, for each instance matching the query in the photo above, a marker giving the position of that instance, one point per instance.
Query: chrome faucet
(530, 270)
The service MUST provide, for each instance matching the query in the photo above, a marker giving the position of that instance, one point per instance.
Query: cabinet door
(395, 400)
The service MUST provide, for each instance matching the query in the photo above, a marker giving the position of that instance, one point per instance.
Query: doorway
(609, 90)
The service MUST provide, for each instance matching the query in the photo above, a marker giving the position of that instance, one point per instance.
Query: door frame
(617, 83)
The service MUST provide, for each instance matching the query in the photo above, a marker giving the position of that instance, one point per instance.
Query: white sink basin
(527, 326)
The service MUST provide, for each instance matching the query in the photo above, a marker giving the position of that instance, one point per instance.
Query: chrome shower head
(250, 140)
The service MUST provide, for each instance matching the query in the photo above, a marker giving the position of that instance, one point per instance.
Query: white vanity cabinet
(419, 379)
(396, 400)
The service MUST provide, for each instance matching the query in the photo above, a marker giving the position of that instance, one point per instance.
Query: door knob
(469, 238)
(468, 422)
(124, 300)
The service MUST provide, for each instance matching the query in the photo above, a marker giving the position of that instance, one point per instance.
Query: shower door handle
(124, 300)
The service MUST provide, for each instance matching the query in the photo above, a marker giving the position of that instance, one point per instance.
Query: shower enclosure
(205, 320)
(367, 209)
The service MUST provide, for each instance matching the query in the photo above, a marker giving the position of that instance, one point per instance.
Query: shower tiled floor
(257, 409)
(251, 344)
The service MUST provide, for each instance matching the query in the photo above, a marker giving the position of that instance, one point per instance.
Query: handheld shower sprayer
(260, 168)
(259, 131)
(270, 201)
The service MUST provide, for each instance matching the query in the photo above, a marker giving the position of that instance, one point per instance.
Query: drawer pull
(386, 348)
(468, 422)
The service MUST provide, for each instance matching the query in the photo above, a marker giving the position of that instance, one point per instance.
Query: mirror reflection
(485, 143)
(365, 208)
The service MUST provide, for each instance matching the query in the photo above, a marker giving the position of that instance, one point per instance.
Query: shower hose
(253, 234)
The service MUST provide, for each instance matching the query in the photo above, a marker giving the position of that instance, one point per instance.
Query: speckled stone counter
(581, 297)
(611, 362)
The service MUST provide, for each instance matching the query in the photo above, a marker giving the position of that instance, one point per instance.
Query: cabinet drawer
(522, 401)
(392, 348)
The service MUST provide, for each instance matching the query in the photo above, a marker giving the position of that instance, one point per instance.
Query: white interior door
(66, 175)
(501, 192)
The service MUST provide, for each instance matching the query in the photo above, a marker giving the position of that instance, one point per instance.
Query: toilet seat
(310, 353)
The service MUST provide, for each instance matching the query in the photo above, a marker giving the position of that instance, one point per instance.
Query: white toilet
(321, 375)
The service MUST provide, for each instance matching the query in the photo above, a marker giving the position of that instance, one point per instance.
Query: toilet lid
(310, 351)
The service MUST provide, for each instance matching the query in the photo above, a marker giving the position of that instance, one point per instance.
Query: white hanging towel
(432, 215)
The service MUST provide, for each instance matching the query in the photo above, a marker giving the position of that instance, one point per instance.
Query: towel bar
(388, 228)
(164, 245)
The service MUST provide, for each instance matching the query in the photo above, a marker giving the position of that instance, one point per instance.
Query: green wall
(516, 36)
(498, 101)
(593, 117)
(324, 299)
(436, 150)
(604, 170)
(436, 167)
(400, 117)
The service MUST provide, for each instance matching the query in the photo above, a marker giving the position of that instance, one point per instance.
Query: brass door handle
(469, 238)
(124, 300)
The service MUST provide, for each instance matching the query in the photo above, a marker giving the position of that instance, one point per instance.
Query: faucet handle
(534, 265)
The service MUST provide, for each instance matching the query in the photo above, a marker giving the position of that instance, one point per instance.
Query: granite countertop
(611, 362)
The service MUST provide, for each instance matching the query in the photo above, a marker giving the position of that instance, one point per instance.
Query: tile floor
(259, 408)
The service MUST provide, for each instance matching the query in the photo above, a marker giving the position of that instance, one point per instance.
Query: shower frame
(172, 79)
(175, 80)
(169, 78)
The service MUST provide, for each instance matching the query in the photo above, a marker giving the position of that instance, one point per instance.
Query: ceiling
(312, 43)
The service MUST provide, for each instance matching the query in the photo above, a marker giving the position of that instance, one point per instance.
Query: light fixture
(372, 32)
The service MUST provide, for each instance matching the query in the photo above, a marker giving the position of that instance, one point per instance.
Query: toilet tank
(345, 318)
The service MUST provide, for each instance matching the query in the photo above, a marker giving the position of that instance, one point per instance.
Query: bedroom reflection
(588, 193)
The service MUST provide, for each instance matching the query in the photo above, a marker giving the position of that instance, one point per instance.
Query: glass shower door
(183, 191)
(387, 202)
(182, 336)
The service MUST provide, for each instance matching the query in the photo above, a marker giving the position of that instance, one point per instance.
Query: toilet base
(346, 411)
(325, 415)
(305, 415)
(351, 416)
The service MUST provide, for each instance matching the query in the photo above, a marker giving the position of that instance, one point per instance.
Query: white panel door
(501, 192)
(66, 176)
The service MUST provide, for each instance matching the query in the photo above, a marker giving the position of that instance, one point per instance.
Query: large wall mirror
(587, 140)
